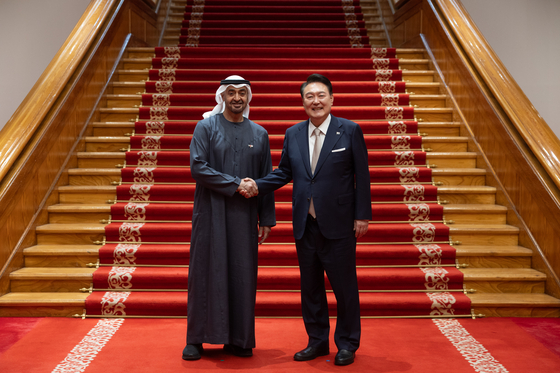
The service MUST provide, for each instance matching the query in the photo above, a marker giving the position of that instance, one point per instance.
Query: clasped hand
(248, 188)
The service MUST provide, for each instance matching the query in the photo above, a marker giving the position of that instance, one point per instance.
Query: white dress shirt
(323, 128)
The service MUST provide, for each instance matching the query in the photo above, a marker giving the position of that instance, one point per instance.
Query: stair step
(135, 100)
(76, 233)
(445, 143)
(100, 159)
(60, 255)
(467, 234)
(472, 251)
(484, 234)
(515, 305)
(371, 13)
(175, 27)
(460, 194)
(422, 114)
(133, 88)
(435, 159)
(86, 193)
(377, 37)
(504, 280)
(459, 176)
(475, 213)
(375, 31)
(423, 88)
(408, 76)
(78, 213)
(404, 64)
(112, 129)
(116, 143)
(451, 159)
(93, 213)
(107, 143)
(94, 176)
(505, 274)
(494, 256)
(36, 304)
(105, 176)
(57, 273)
(467, 194)
(434, 129)
(143, 52)
(47, 279)
(487, 280)
(78, 208)
(473, 256)
(379, 40)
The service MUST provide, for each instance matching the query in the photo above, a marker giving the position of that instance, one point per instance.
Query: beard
(235, 108)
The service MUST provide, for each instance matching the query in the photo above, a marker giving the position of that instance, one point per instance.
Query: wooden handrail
(397, 4)
(384, 25)
(533, 129)
(165, 19)
(392, 4)
(29, 115)
(154, 4)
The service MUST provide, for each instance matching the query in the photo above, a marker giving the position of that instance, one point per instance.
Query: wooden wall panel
(30, 186)
(413, 26)
(510, 165)
(142, 27)
(397, 35)
(137, 25)
(151, 34)
(407, 23)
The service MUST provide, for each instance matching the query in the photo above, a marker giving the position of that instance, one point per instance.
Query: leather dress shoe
(344, 357)
(193, 352)
(310, 353)
(238, 351)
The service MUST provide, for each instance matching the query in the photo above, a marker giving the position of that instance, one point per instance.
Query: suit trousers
(336, 257)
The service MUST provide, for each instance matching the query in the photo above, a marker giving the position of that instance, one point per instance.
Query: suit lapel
(334, 133)
(303, 142)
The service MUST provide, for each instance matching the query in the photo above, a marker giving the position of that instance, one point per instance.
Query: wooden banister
(39, 143)
(515, 145)
(30, 114)
(533, 129)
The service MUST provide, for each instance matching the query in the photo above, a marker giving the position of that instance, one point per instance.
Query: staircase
(58, 271)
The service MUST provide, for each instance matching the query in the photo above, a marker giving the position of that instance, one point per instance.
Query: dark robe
(224, 242)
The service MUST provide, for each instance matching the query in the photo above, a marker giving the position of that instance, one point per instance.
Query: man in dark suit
(327, 159)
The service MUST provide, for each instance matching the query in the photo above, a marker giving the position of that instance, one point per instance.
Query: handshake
(248, 188)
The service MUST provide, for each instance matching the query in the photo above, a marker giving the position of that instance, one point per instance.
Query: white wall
(31, 32)
(525, 34)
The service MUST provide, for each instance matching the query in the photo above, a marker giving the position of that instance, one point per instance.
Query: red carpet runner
(487, 345)
(406, 265)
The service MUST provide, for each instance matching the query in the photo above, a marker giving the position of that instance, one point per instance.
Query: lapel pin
(250, 145)
(338, 133)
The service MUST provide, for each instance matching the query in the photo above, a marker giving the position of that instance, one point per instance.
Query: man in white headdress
(226, 147)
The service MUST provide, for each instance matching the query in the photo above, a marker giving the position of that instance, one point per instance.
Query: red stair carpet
(406, 262)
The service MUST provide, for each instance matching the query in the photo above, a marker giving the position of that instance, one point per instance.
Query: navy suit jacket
(340, 186)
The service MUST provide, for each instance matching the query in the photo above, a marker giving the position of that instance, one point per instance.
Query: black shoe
(310, 353)
(344, 357)
(238, 351)
(193, 352)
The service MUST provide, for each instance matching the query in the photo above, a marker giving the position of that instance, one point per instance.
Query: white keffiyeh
(220, 107)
